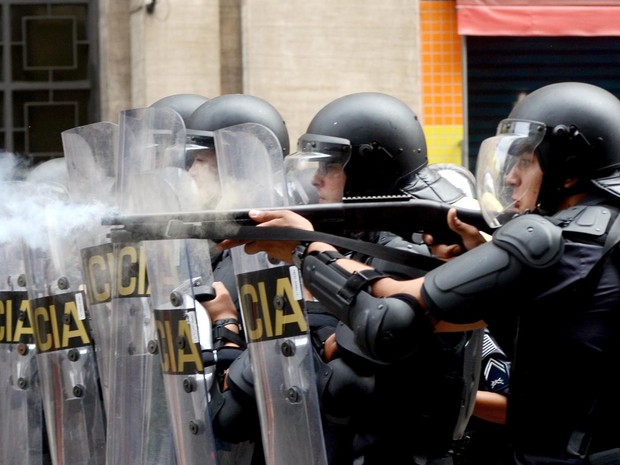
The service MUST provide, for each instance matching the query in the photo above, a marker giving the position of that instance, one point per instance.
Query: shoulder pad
(532, 239)
(584, 219)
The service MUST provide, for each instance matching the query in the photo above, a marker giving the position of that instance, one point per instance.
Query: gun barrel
(400, 217)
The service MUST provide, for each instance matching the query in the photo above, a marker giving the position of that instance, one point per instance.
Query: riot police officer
(362, 145)
(557, 154)
(202, 117)
(224, 310)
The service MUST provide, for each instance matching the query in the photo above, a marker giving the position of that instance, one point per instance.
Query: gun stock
(400, 217)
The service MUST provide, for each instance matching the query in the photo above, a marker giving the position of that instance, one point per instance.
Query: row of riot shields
(22, 434)
(101, 342)
(52, 398)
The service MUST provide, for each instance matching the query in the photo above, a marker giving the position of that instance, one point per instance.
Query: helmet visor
(507, 171)
(316, 156)
(201, 163)
(197, 142)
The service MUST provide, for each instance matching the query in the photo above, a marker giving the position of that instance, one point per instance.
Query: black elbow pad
(398, 328)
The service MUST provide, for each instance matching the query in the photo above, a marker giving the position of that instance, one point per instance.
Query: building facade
(459, 64)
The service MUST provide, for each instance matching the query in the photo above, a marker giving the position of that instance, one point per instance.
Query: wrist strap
(226, 321)
(221, 334)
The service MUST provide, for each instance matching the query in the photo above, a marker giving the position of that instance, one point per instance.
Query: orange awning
(538, 17)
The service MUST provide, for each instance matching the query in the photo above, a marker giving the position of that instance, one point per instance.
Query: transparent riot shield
(252, 175)
(472, 356)
(21, 404)
(177, 269)
(139, 430)
(72, 398)
(157, 181)
(90, 154)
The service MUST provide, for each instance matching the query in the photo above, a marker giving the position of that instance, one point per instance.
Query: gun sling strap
(415, 260)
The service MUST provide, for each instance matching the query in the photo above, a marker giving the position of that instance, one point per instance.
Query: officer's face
(525, 179)
(204, 171)
(329, 182)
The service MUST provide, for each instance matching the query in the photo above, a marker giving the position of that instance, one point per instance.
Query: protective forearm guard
(463, 290)
(385, 328)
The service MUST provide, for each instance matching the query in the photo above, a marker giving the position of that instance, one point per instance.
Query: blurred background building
(460, 64)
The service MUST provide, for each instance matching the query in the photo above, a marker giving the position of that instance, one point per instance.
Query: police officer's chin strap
(459, 291)
(553, 191)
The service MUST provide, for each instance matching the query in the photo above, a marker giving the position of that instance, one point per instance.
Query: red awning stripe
(534, 20)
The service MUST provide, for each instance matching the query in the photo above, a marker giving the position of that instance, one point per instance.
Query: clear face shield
(508, 176)
(315, 173)
(201, 164)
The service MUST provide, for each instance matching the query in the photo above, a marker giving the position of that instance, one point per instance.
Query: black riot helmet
(232, 109)
(387, 141)
(183, 104)
(573, 130)
(582, 121)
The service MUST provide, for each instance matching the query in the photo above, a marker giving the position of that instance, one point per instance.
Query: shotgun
(404, 217)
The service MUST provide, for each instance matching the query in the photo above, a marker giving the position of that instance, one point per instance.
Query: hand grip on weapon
(278, 249)
(471, 237)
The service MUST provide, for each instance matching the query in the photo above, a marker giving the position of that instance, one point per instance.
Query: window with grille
(47, 58)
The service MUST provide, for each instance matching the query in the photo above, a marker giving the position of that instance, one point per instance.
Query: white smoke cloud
(36, 203)
(10, 165)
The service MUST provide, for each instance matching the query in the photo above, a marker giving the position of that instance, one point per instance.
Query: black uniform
(562, 406)
(565, 385)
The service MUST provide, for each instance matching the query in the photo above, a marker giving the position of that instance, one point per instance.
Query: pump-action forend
(402, 217)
